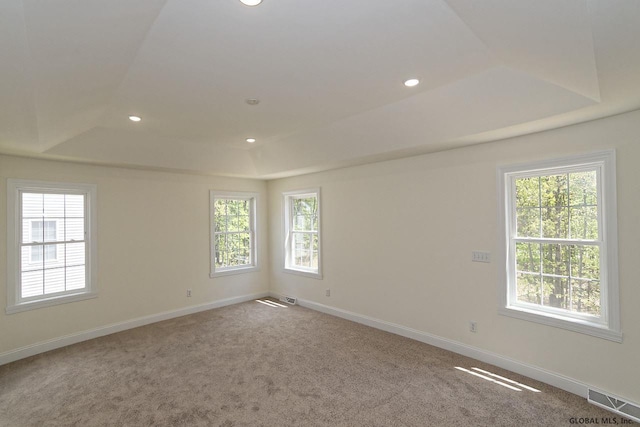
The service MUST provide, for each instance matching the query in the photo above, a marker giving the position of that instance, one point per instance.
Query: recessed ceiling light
(134, 118)
(252, 101)
(251, 2)
(251, 140)
(411, 82)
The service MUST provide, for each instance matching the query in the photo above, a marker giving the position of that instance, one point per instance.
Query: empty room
(319, 213)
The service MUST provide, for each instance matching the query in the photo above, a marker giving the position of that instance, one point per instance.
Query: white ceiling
(328, 73)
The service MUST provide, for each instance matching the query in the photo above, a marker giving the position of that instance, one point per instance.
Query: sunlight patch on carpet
(271, 303)
(488, 378)
(526, 387)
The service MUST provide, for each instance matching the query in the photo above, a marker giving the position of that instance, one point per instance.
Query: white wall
(153, 244)
(397, 241)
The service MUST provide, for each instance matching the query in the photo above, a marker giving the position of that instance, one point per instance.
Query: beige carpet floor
(255, 365)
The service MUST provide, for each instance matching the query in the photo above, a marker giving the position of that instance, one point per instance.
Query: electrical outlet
(189, 292)
(479, 256)
(328, 292)
(473, 327)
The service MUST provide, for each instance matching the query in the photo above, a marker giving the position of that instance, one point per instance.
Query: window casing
(302, 238)
(233, 232)
(560, 243)
(51, 243)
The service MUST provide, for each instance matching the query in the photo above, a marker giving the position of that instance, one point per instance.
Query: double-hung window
(302, 232)
(561, 243)
(233, 232)
(51, 243)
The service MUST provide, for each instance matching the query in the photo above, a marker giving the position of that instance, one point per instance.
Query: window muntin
(47, 231)
(233, 232)
(53, 241)
(561, 243)
(302, 229)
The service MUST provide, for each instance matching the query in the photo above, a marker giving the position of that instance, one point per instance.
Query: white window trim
(14, 186)
(608, 326)
(253, 224)
(286, 217)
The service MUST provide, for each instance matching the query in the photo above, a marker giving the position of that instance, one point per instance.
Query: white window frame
(287, 216)
(15, 187)
(607, 325)
(253, 235)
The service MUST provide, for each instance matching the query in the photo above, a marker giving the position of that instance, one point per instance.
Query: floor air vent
(613, 404)
(289, 300)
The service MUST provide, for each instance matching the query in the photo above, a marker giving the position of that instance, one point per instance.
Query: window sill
(305, 273)
(234, 271)
(64, 299)
(583, 327)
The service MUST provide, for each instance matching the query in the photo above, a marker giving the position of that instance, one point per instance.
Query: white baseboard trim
(52, 344)
(542, 375)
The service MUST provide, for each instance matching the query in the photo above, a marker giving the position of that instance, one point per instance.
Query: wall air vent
(289, 300)
(613, 404)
